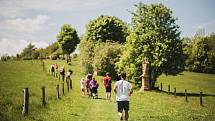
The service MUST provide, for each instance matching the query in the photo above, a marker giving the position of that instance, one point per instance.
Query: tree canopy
(154, 36)
(200, 54)
(107, 28)
(100, 46)
(68, 39)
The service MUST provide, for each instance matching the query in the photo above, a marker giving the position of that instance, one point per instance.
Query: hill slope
(16, 75)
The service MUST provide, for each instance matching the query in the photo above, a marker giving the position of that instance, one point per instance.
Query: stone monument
(145, 76)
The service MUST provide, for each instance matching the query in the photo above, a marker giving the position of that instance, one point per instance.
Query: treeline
(200, 53)
(111, 45)
(67, 41)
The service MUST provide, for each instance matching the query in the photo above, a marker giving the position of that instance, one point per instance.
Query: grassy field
(153, 105)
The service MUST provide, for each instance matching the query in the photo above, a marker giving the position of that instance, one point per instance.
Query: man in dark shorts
(107, 84)
(123, 90)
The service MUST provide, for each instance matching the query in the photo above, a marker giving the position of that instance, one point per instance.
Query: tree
(68, 39)
(107, 54)
(154, 36)
(27, 52)
(87, 55)
(102, 32)
(200, 54)
(106, 28)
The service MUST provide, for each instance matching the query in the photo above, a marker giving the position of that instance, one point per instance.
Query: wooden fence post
(201, 103)
(63, 88)
(57, 91)
(26, 102)
(70, 83)
(168, 88)
(186, 95)
(161, 86)
(43, 66)
(43, 96)
(175, 91)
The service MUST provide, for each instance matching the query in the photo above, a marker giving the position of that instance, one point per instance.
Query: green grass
(193, 82)
(16, 75)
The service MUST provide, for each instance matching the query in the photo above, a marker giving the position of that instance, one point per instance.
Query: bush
(106, 55)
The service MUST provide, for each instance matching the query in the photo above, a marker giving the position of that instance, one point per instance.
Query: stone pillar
(145, 76)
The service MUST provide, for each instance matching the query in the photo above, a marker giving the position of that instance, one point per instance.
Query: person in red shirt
(107, 84)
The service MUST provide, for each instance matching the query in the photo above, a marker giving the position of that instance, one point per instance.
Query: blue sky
(39, 21)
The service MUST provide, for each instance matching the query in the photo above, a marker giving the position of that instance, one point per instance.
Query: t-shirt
(123, 87)
(107, 81)
(68, 74)
(94, 83)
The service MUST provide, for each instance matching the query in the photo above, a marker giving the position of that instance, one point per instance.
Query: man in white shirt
(123, 90)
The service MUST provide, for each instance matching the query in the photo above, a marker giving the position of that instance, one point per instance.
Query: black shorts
(122, 105)
(108, 89)
(94, 90)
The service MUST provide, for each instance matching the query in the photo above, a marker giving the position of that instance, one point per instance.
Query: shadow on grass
(183, 94)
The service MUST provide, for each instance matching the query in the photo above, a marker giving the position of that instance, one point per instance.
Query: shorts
(122, 105)
(108, 89)
(94, 90)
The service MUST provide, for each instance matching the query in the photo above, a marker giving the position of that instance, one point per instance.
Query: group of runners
(122, 89)
(89, 87)
(61, 73)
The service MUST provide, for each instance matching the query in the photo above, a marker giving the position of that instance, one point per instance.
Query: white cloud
(40, 44)
(12, 47)
(28, 25)
(14, 8)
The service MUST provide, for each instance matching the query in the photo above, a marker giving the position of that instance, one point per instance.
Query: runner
(89, 78)
(94, 87)
(68, 77)
(123, 90)
(107, 84)
(52, 69)
(82, 83)
(62, 72)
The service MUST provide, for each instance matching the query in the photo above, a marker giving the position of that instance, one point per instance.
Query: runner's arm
(114, 88)
(130, 90)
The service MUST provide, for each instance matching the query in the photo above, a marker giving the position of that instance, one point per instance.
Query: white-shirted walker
(123, 90)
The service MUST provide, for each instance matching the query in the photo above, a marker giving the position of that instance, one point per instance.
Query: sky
(39, 21)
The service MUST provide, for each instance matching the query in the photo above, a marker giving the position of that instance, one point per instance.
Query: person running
(68, 78)
(62, 72)
(82, 83)
(56, 69)
(107, 84)
(52, 69)
(123, 90)
(89, 78)
(94, 86)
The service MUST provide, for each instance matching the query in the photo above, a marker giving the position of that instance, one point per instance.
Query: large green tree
(95, 50)
(154, 36)
(68, 39)
(200, 54)
(107, 28)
